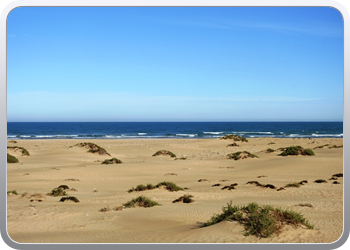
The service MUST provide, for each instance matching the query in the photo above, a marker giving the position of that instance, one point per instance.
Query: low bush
(233, 145)
(92, 148)
(296, 150)
(11, 159)
(12, 192)
(69, 198)
(241, 155)
(168, 185)
(57, 192)
(320, 181)
(187, 198)
(164, 152)
(23, 150)
(141, 201)
(262, 221)
(234, 137)
(269, 150)
(295, 184)
(112, 161)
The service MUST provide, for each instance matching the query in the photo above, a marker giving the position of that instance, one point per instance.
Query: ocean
(125, 130)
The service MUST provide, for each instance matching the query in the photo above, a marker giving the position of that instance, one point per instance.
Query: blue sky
(175, 64)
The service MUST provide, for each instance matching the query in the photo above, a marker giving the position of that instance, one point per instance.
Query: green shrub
(112, 161)
(181, 158)
(293, 185)
(23, 150)
(64, 187)
(233, 145)
(164, 152)
(12, 192)
(296, 150)
(168, 185)
(187, 198)
(11, 159)
(57, 192)
(241, 155)
(92, 148)
(234, 137)
(141, 201)
(260, 221)
(321, 146)
(270, 150)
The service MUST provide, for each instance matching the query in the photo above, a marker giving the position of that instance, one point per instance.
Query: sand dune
(53, 163)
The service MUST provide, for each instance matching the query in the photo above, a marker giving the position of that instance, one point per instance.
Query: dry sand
(51, 163)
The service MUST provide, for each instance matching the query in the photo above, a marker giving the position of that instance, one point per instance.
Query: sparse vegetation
(112, 161)
(295, 184)
(296, 150)
(270, 150)
(258, 184)
(23, 150)
(181, 158)
(187, 198)
(304, 205)
(234, 137)
(241, 155)
(322, 146)
(320, 181)
(164, 152)
(11, 159)
(57, 192)
(168, 185)
(64, 187)
(141, 201)
(69, 198)
(338, 175)
(232, 186)
(233, 145)
(92, 148)
(12, 192)
(13, 141)
(335, 146)
(262, 221)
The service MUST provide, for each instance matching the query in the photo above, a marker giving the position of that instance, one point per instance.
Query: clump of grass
(270, 150)
(104, 209)
(164, 152)
(295, 184)
(181, 158)
(232, 186)
(187, 198)
(335, 146)
(233, 145)
(322, 146)
(296, 150)
(64, 187)
(234, 137)
(57, 192)
(338, 175)
(141, 201)
(304, 205)
(23, 150)
(12, 192)
(72, 179)
(93, 148)
(262, 221)
(112, 161)
(258, 184)
(320, 181)
(11, 159)
(168, 185)
(216, 185)
(241, 155)
(13, 141)
(69, 198)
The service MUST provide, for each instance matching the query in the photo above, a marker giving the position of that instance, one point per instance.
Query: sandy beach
(33, 216)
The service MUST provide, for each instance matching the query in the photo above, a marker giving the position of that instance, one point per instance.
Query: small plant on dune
(181, 158)
(296, 150)
(187, 198)
(13, 141)
(141, 201)
(112, 161)
(11, 159)
(69, 198)
(338, 175)
(64, 187)
(142, 187)
(233, 145)
(322, 146)
(335, 146)
(241, 155)
(93, 148)
(262, 221)
(12, 192)
(168, 185)
(295, 184)
(164, 152)
(234, 137)
(269, 150)
(320, 181)
(57, 192)
(23, 150)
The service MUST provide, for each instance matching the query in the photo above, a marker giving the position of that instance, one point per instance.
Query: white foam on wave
(189, 135)
(142, 133)
(213, 133)
(318, 135)
(252, 132)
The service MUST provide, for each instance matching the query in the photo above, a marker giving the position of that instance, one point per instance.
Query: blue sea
(124, 130)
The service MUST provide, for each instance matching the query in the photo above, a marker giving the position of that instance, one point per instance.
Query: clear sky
(175, 64)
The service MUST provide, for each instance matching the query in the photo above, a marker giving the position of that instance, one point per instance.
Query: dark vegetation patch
(187, 198)
(141, 201)
(216, 185)
(232, 186)
(92, 148)
(320, 181)
(13, 141)
(258, 184)
(57, 192)
(168, 185)
(69, 198)
(12, 192)
(72, 179)
(338, 175)
(201, 180)
(112, 161)
(295, 184)
(336, 182)
(335, 146)
(234, 137)
(233, 145)
(322, 146)
(241, 155)
(23, 150)
(64, 187)
(281, 188)
(164, 152)
(11, 159)
(304, 205)
(261, 221)
(270, 150)
(181, 158)
(296, 150)
(171, 174)
(261, 176)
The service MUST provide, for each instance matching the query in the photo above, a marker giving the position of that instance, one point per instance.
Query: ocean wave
(213, 133)
(253, 132)
(187, 135)
(327, 135)
(142, 133)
